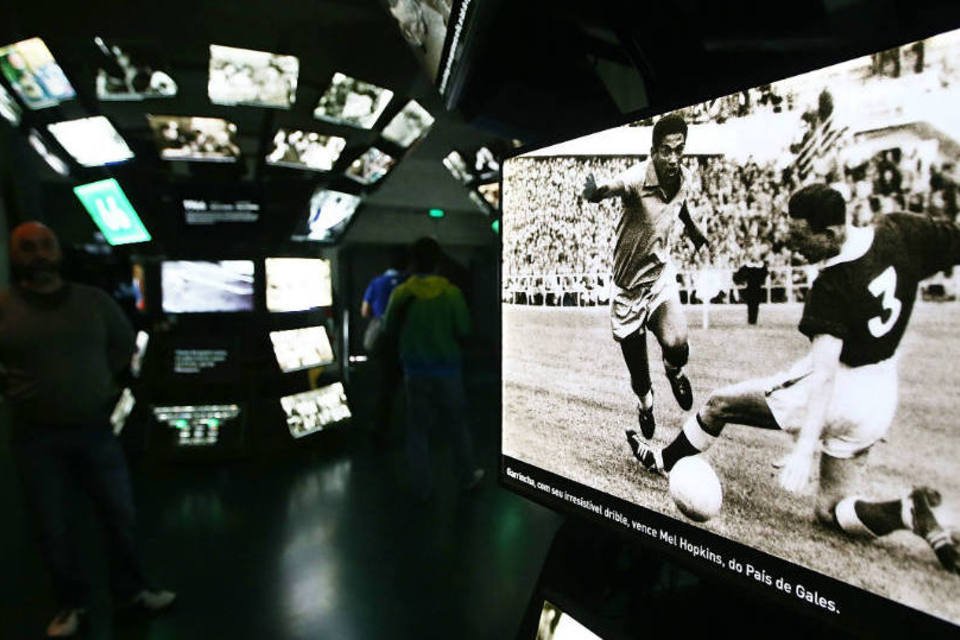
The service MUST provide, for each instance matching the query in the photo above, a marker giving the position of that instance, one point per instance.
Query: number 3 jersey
(865, 298)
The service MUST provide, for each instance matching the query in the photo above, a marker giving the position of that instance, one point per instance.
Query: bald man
(62, 347)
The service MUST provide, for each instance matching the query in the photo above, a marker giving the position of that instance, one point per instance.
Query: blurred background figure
(751, 275)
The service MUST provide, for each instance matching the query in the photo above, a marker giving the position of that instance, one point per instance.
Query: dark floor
(318, 543)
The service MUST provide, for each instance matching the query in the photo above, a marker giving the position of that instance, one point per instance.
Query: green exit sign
(437, 213)
(107, 204)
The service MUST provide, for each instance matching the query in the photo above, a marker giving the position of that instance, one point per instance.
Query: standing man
(374, 306)
(752, 274)
(62, 346)
(841, 398)
(654, 196)
(430, 316)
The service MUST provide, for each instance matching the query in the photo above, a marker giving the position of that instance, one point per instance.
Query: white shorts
(860, 412)
(630, 308)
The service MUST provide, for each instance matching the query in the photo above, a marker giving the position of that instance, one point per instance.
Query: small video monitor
(193, 286)
(330, 213)
(254, 78)
(198, 426)
(305, 150)
(371, 166)
(315, 410)
(195, 139)
(34, 74)
(93, 142)
(298, 284)
(131, 72)
(409, 125)
(299, 349)
(352, 102)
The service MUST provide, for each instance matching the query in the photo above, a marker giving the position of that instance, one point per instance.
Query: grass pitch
(567, 402)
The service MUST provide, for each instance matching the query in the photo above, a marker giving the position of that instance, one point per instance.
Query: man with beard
(62, 347)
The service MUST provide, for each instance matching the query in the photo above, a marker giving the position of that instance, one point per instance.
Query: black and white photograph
(473, 166)
(129, 73)
(305, 150)
(555, 624)
(54, 161)
(330, 213)
(409, 125)
(298, 284)
(371, 166)
(423, 24)
(191, 286)
(491, 194)
(314, 410)
(298, 349)
(197, 425)
(252, 78)
(814, 424)
(93, 142)
(352, 102)
(34, 74)
(9, 108)
(193, 138)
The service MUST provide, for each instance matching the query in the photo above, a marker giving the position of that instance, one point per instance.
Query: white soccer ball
(695, 488)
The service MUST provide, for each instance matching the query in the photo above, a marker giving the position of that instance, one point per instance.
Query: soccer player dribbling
(654, 196)
(841, 397)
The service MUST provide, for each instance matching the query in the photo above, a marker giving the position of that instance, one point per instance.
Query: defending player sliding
(653, 195)
(842, 396)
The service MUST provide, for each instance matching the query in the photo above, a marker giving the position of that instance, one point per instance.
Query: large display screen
(330, 213)
(33, 73)
(190, 138)
(205, 287)
(299, 349)
(409, 125)
(352, 102)
(315, 410)
(305, 150)
(93, 142)
(112, 212)
(128, 72)
(371, 166)
(298, 284)
(849, 510)
(256, 78)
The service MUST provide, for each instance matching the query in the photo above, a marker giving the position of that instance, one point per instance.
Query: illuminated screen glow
(33, 73)
(299, 349)
(256, 78)
(315, 410)
(409, 125)
(352, 102)
(191, 138)
(298, 284)
(192, 286)
(112, 212)
(93, 142)
(370, 167)
(305, 150)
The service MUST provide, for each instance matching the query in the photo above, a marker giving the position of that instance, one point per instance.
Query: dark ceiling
(535, 70)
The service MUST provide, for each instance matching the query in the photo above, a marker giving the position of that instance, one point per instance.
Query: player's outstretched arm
(825, 353)
(595, 192)
(693, 231)
(936, 243)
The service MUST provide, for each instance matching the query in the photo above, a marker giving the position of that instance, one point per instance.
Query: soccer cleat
(648, 423)
(649, 458)
(66, 624)
(926, 526)
(682, 390)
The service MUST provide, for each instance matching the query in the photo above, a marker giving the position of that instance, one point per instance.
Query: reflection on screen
(305, 150)
(197, 426)
(302, 348)
(352, 102)
(409, 125)
(92, 142)
(298, 284)
(314, 410)
(33, 73)
(257, 78)
(199, 287)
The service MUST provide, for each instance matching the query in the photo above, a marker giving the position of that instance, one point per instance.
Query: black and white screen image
(9, 108)
(315, 410)
(203, 287)
(54, 161)
(472, 167)
(192, 138)
(299, 349)
(352, 102)
(555, 624)
(424, 26)
(330, 213)
(305, 150)
(92, 141)
(298, 284)
(255, 78)
(491, 194)
(127, 73)
(806, 416)
(409, 125)
(198, 425)
(371, 166)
